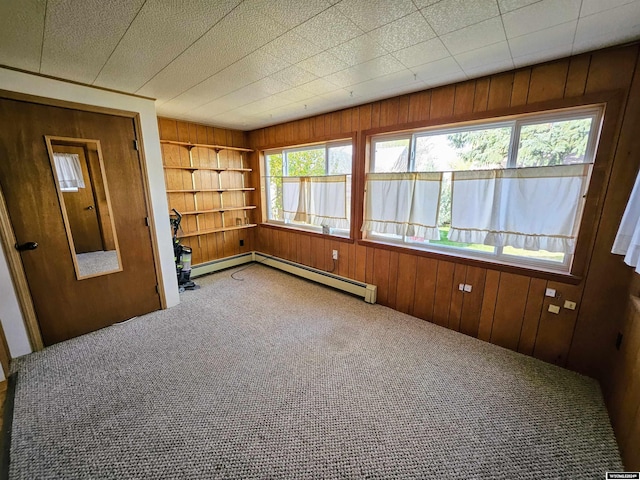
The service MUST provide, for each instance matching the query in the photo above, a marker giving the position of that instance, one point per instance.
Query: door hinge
(135, 144)
(146, 221)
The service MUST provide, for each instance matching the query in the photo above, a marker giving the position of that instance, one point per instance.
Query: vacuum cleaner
(181, 255)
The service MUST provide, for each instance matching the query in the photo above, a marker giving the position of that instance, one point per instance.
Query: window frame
(595, 111)
(339, 234)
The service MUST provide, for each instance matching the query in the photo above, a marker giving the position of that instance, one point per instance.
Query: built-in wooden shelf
(217, 210)
(212, 190)
(216, 230)
(215, 169)
(205, 145)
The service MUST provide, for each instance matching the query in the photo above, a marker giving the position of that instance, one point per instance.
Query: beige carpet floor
(277, 377)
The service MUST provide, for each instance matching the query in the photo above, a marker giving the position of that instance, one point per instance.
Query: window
(310, 187)
(510, 190)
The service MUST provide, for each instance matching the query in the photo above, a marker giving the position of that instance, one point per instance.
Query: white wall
(12, 320)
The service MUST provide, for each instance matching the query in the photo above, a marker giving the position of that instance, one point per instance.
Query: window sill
(306, 231)
(487, 264)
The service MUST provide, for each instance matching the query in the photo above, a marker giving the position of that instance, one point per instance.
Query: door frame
(7, 235)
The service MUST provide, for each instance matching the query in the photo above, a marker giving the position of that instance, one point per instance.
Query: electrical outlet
(334, 254)
(569, 305)
(467, 288)
(461, 287)
(550, 292)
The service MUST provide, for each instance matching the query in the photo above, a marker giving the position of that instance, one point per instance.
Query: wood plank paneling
(509, 312)
(472, 301)
(488, 308)
(532, 311)
(548, 81)
(405, 287)
(457, 296)
(465, 93)
(425, 288)
(500, 89)
(444, 288)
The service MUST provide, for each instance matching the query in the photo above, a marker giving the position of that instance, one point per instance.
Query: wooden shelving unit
(241, 222)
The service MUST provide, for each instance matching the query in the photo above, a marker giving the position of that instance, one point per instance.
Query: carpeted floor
(276, 377)
(91, 263)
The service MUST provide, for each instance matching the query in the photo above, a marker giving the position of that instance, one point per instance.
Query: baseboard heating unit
(366, 291)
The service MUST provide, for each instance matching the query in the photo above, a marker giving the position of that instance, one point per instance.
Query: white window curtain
(69, 171)
(403, 204)
(328, 203)
(528, 208)
(317, 200)
(627, 240)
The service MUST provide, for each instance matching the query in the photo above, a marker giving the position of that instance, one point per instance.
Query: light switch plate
(461, 287)
(550, 292)
(554, 309)
(467, 288)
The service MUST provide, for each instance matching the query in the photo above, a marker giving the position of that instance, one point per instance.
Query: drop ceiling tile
(425, 3)
(398, 81)
(328, 29)
(238, 34)
(475, 36)
(510, 5)
(166, 29)
(449, 15)
(358, 50)
(80, 36)
(403, 33)
(234, 100)
(590, 7)
(492, 54)
(539, 16)
(293, 76)
(547, 39)
(292, 47)
(490, 68)
(320, 86)
(370, 14)
(21, 27)
(609, 27)
(322, 64)
(421, 53)
(558, 51)
(268, 103)
(444, 68)
(297, 94)
(377, 67)
(290, 13)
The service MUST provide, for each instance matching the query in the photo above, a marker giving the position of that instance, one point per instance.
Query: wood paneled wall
(214, 245)
(623, 399)
(505, 307)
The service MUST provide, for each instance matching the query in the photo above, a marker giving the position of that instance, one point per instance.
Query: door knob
(26, 246)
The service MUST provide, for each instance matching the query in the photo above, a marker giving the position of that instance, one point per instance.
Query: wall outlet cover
(550, 292)
(554, 309)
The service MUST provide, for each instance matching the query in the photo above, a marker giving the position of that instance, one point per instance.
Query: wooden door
(65, 306)
(81, 207)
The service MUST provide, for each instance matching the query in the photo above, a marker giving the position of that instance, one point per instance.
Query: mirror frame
(51, 141)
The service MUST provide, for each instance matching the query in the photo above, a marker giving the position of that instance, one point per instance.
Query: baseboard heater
(366, 291)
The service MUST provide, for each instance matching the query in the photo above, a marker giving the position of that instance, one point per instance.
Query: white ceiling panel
(290, 13)
(358, 50)
(21, 27)
(323, 64)
(543, 40)
(167, 28)
(249, 63)
(608, 28)
(236, 35)
(449, 15)
(475, 36)
(79, 37)
(424, 52)
(370, 14)
(496, 53)
(403, 33)
(328, 29)
(539, 16)
(292, 47)
(510, 5)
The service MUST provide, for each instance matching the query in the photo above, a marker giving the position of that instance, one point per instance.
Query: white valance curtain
(528, 208)
(627, 240)
(317, 200)
(403, 204)
(69, 171)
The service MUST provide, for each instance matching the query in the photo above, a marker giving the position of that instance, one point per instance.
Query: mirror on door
(81, 183)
